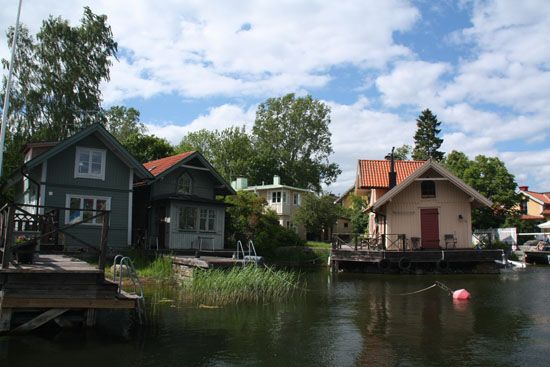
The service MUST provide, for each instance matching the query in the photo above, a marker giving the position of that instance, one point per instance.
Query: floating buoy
(461, 295)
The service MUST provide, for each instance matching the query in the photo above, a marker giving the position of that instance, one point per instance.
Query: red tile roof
(531, 217)
(542, 196)
(158, 166)
(374, 173)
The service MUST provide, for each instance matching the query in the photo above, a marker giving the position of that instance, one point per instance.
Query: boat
(539, 256)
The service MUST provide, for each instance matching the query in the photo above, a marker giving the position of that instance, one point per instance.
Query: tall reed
(249, 284)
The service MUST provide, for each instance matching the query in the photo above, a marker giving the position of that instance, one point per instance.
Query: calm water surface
(345, 320)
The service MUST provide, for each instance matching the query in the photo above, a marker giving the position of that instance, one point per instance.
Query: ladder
(249, 255)
(125, 264)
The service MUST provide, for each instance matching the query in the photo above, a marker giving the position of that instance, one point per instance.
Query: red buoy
(461, 295)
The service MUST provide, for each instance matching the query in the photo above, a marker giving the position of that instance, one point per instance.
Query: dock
(415, 261)
(46, 286)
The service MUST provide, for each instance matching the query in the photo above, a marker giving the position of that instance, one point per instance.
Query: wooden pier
(45, 286)
(416, 261)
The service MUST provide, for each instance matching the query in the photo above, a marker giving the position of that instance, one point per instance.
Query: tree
(317, 213)
(359, 220)
(402, 153)
(426, 142)
(291, 138)
(147, 148)
(123, 122)
(57, 77)
(490, 177)
(228, 150)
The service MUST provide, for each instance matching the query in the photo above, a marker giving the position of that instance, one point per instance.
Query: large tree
(147, 148)
(317, 213)
(490, 177)
(426, 140)
(229, 151)
(123, 122)
(291, 138)
(57, 76)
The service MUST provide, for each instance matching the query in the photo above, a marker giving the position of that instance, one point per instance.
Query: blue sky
(483, 67)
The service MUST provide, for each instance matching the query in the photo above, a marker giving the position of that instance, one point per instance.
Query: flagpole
(8, 87)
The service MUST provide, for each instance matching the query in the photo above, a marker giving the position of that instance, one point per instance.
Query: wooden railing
(25, 225)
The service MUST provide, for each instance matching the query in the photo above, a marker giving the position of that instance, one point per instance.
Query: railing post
(103, 244)
(8, 241)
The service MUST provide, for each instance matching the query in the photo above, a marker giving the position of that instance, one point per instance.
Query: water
(345, 320)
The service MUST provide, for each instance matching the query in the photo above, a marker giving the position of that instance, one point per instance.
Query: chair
(415, 242)
(450, 239)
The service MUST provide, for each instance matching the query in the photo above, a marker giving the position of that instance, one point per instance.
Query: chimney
(240, 183)
(392, 175)
(276, 180)
(524, 188)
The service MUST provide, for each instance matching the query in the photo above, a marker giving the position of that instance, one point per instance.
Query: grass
(159, 268)
(249, 284)
(322, 245)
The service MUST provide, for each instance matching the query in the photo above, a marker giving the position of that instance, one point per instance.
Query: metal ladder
(125, 264)
(252, 256)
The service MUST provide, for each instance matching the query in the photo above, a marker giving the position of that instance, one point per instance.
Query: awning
(544, 225)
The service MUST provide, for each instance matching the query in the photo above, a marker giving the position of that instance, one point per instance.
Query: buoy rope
(415, 292)
(436, 284)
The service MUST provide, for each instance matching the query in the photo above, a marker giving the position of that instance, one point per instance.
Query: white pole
(8, 87)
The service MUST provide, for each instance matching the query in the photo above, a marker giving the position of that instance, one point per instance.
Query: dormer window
(90, 163)
(184, 184)
(428, 189)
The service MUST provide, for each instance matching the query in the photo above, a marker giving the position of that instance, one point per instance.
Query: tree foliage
(426, 140)
(147, 148)
(228, 150)
(402, 153)
(317, 213)
(359, 219)
(291, 138)
(123, 122)
(248, 217)
(57, 77)
(490, 177)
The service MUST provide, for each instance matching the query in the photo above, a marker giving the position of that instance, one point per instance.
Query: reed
(249, 284)
(160, 268)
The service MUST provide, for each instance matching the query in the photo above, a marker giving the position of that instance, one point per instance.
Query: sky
(483, 67)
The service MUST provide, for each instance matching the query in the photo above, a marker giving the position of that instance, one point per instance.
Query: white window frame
(90, 151)
(297, 200)
(93, 222)
(277, 195)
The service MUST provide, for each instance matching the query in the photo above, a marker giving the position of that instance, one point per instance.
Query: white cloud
(412, 82)
(200, 49)
(217, 118)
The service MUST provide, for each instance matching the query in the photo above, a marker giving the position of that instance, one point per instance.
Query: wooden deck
(57, 282)
(409, 260)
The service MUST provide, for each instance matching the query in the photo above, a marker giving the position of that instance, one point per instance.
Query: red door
(429, 228)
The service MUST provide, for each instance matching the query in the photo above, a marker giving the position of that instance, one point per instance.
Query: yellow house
(282, 199)
(535, 206)
(430, 209)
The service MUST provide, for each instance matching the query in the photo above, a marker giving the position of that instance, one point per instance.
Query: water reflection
(344, 320)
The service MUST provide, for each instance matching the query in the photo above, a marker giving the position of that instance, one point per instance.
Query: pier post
(5, 319)
(8, 241)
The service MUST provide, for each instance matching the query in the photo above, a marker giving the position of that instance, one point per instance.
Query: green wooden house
(88, 171)
(178, 209)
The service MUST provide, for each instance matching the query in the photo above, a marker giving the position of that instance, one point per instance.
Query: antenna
(8, 87)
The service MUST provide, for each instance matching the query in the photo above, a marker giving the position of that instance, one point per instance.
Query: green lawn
(314, 244)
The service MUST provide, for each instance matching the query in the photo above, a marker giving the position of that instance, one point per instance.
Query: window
(428, 189)
(90, 163)
(207, 220)
(184, 184)
(188, 219)
(86, 207)
(297, 199)
(276, 197)
(523, 207)
(345, 224)
(284, 197)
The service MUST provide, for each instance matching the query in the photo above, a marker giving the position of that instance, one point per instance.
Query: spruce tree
(426, 141)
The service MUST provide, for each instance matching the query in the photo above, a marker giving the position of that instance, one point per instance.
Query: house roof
(542, 198)
(431, 164)
(374, 173)
(531, 217)
(109, 140)
(162, 167)
(341, 197)
(274, 187)
(158, 166)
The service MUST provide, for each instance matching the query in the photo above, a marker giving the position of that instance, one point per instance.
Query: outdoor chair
(415, 242)
(450, 240)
